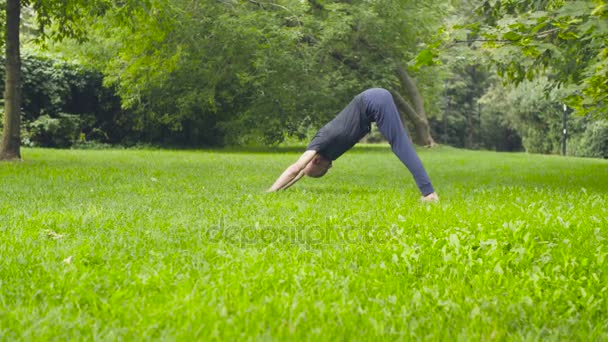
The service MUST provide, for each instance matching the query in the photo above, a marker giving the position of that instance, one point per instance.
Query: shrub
(53, 88)
(537, 141)
(593, 142)
(61, 131)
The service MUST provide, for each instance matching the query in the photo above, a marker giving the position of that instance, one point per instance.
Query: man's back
(343, 132)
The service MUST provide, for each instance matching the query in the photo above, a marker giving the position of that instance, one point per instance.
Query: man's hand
(430, 198)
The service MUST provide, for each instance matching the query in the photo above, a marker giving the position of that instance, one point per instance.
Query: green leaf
(512, 36)
(426, 57)
(576, 9)
(539, 27)
(600, 9)
(568, 35)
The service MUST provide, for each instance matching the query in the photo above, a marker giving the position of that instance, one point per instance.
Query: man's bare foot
(431, 198)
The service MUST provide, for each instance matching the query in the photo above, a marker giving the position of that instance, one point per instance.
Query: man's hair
(319, 174)
(321, 170)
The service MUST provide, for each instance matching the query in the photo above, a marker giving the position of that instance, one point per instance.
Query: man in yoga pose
(346, 129)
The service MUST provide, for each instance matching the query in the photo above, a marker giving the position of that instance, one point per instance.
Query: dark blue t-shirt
(343, 132)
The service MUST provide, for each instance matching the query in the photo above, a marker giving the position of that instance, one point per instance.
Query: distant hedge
(63, 103)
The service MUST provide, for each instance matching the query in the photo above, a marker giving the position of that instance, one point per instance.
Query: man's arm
(293, 173)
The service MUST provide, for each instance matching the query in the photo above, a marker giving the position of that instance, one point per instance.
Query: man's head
(317, 167)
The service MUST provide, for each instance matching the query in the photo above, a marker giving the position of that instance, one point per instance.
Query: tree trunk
(422, 135)
(468, 141)
(415, 111)
(11, 140)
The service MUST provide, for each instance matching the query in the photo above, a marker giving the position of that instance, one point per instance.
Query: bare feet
(430, 198)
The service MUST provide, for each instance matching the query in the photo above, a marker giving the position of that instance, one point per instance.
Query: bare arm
(293, 173)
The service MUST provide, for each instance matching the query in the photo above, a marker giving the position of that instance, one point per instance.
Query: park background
(148, 131)
(495, 75)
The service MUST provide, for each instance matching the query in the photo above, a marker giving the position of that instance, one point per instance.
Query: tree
(563, 39)
(242, 71)
(378, 44)
(11, 141)
(465, 83)
(560, 43)
(57, 20)
(413, 108)
(206, 73)
(533, 113)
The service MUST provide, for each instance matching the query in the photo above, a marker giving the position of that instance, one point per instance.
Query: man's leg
(386, 115)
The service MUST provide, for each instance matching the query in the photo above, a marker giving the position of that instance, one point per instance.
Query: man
(346, 129)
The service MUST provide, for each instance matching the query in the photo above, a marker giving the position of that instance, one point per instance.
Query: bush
(538, 141)
(83, 144)
(593, 142)
(61, 131)
(374, 136)
(53, 88)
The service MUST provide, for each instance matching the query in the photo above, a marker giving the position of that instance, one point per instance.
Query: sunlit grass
(186, 245)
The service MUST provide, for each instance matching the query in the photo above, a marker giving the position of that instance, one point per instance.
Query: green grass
(185, 245)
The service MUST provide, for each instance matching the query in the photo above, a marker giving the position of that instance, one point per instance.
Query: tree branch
(406, 108)
(261, 4)
(412, 92)
(538, 35)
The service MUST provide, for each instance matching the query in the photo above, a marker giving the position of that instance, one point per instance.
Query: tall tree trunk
(414, 109)
(422, 135)
(11, 140)
(468, 141)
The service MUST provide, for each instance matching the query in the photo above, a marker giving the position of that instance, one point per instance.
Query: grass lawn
(186, 245)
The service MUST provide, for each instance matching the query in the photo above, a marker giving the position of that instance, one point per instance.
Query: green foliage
(495, 131)
(52, 86)
(190, 68)
(251, 72)
(186, 246)
(61, 131)
(593, 142)
(533, 112)
(248, 72)
(2, 21)
(554, 44)
(564, 39)
(58, 20)
(463, 88)
(82, 144)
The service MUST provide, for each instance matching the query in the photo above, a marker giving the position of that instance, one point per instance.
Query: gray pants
(380, 108)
